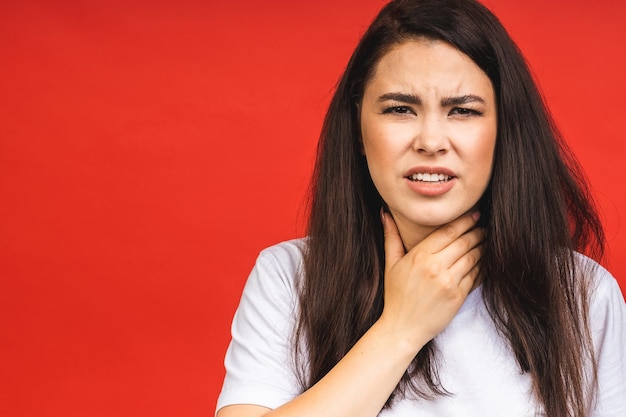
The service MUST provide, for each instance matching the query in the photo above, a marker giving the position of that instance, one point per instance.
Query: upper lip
(430, 170)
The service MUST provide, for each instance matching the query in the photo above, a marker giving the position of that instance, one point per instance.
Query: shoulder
(607, 309)
(287, 253)
(607, 321)
(259, 361)
(603, 287)
(276, 269)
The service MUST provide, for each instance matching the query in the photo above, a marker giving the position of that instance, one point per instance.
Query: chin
(432, 217)
(432, 221)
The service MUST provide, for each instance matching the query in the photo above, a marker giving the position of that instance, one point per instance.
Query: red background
(149, 150)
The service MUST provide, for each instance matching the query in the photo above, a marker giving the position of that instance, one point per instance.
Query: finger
(462, 245)
(467, 266)
(394, 248)
(448, 233)
(469, 281)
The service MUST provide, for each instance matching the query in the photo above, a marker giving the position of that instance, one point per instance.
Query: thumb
(394, 249)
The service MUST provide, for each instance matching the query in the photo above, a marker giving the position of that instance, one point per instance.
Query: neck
(411, 233)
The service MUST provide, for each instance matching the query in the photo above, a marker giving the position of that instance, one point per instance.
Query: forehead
(419, 64)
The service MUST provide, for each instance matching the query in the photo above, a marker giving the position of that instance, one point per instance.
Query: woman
(440, 275)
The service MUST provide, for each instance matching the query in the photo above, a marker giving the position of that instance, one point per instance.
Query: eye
(464, 112)
(398, 110)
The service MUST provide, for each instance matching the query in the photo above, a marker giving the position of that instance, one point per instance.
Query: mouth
(432, 178)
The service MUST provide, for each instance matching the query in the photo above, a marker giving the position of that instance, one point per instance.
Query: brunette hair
(537, 211)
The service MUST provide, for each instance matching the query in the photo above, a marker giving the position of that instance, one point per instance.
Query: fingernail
(476, 215)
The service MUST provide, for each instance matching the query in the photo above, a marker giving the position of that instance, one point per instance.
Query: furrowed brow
(456, 101)
(401, 97)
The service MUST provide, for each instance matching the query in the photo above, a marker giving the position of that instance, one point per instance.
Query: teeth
(426, 177)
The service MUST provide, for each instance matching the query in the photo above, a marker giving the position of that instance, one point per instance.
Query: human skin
(428, 109)
(430, 267)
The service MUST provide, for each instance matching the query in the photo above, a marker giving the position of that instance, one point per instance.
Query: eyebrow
(455, 101)
(401, 97)
(445, 102)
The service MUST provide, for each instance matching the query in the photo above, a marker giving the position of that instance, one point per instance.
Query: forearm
(360, 384)
(424, 290)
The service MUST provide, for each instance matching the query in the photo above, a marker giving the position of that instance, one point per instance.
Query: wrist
(405, 344)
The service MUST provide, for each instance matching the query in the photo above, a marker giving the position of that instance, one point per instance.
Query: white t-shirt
(477, 366)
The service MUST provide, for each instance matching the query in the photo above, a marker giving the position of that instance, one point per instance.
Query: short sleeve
(259, 361)
(608, 325)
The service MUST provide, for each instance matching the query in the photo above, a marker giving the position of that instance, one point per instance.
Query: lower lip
(431, 189)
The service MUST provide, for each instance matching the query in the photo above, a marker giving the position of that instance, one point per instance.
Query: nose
(431, 137)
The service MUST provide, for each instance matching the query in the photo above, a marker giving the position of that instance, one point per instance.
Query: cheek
(375, 145)
(385, 141)
(483, 152)
(376, 157)
(381, 157)
(476, 148)
(478, 141)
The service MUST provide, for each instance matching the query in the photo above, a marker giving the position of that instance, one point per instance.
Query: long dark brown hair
(537, 211)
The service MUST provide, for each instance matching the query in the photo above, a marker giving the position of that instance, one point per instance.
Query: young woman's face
(428, 124)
